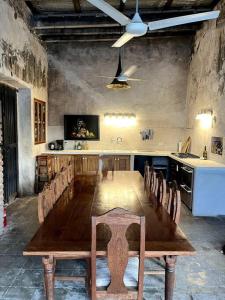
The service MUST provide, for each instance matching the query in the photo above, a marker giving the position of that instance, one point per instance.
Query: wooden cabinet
(39, 121)
(122, 163)
(118, 162)
(86, 164)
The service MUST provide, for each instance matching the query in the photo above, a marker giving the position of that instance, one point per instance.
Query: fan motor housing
(137, 28)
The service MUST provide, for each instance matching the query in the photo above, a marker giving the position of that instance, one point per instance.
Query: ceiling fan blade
(183, 20)
(130, 71)
(111, 11)
(110, 77)
(136, 79)
(126, 37)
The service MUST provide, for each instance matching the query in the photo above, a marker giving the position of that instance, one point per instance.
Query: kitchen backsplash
(126, 138)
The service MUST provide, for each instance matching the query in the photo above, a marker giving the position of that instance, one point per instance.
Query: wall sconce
(120, 120)
(205, 117)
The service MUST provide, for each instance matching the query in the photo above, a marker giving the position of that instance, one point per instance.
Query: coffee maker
(59, 144)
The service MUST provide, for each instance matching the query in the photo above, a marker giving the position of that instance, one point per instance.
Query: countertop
(192, 162)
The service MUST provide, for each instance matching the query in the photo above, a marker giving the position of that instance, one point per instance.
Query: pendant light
(116, 84)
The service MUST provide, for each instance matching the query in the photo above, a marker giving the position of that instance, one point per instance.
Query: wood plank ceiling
(78, 20)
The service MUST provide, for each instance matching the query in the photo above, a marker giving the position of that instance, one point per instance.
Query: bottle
(205, 154)
(79, 147)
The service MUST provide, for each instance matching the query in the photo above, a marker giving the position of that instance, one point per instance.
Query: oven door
(186, 185)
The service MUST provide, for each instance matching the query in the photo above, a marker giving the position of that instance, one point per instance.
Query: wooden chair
(173, 206)
(146, 174)
(45, 203)
(118, 221)
(70, 173)
(174, 202)
(161, 189)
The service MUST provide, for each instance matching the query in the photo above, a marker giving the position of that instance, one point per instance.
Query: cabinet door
(78, 164)
(122, 163)
(90, 163)
(108, 162)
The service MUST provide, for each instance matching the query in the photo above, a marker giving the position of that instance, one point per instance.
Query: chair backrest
(118, 221)
(174, 202)
(160, 191)
(58, 186)
(152, 180)
(45, 203)
(70, 173)
(146, 173)
(64, 174)
(106, 164)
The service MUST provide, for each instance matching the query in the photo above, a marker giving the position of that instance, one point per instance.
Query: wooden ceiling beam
(76, 4)
(111, 38)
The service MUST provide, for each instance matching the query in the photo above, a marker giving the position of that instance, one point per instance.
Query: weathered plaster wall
(158, 102)
(206, 84)
(24, 65)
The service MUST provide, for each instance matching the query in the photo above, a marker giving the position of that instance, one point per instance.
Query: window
(39, 121)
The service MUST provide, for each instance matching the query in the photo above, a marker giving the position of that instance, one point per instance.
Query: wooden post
(49, 270)
(169, 276)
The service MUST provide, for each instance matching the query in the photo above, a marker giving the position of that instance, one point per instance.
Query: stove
(185, 155)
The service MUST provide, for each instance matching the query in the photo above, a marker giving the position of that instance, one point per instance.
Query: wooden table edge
(85, 254)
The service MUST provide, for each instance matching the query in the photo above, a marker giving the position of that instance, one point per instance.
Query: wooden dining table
(66, 232)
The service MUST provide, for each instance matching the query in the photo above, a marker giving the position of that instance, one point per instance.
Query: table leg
(49, 270)
(170, 276)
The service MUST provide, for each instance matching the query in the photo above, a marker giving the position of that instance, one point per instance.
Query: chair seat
(103, 274)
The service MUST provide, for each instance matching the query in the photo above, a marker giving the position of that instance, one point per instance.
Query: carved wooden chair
(45, 203)
(58, 186)
(118, 221)
(174, 202)
(106, 165)
(173, 206)
(160, 189)
(70, 173)
(146, 174)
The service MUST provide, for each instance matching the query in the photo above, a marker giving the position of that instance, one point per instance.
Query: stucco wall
(206, 84)
(158, 102)
(24, 65)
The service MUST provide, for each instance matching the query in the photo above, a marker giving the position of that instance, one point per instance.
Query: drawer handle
(186, 188)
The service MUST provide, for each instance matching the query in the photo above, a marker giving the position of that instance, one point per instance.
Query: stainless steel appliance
(185, 155)
(186, 185)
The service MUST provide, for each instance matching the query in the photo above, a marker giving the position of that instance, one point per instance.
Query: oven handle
(186, 188)
(188, 170)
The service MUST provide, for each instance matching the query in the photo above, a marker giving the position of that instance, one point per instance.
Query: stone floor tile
(18, 293)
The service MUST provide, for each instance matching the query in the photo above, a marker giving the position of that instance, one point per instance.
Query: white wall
(24, 65)
(158, 101)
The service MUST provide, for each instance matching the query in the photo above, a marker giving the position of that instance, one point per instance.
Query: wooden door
(9, 146)
(122, 162)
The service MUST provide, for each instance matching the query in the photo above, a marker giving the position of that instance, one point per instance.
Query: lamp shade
(116, 84)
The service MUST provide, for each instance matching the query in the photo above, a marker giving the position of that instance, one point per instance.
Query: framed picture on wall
(39, 121)
(81, 127)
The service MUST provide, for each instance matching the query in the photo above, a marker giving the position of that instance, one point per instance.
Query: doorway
(9, 145)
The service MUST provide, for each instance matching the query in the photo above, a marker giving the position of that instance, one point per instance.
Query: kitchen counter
(191, 162)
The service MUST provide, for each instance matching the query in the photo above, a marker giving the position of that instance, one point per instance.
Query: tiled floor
(199, 277)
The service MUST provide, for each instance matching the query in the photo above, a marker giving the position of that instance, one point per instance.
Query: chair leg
(88, 278)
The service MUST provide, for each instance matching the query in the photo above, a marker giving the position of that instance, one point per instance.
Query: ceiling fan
(121, 78)
(136, 27)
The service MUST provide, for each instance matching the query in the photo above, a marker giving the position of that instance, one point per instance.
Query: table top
(67, 229)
